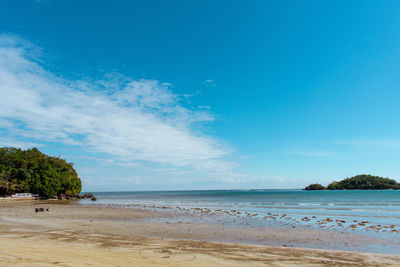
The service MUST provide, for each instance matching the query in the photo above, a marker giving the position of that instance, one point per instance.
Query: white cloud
(10, 142)
(209, 83)
(138, 120)
(279, 179)
(88, 182)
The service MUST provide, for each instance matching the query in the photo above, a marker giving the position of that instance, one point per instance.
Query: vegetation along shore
(363, 182)
(32, 171)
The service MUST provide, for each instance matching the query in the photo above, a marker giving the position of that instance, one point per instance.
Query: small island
(32, 171)
(363, 182)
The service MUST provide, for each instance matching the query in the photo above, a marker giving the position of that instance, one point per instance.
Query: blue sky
(145, 95)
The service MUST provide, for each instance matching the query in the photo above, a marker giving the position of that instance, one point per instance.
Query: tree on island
(363, 181)
(335, 186)
(315, 187)
(32, 171)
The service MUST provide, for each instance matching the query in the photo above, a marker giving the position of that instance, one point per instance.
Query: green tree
(315, 187)
(366, 181)
(32, 171)
(335, 186)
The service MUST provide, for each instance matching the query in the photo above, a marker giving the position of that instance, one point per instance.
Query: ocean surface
(366, 211)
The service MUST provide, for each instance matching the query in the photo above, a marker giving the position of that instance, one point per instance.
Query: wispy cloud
(209, 83)
(11, 142)
(138, 120)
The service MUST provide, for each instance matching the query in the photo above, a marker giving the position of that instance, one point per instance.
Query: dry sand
(72, 235)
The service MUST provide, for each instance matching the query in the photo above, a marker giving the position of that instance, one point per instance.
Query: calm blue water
(378, 209)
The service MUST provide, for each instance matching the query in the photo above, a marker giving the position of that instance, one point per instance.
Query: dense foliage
(362, 181)
(315, 187)
(365, 181)
(32, 171)
(335, 186)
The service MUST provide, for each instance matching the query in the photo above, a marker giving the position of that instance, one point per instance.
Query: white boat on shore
(24, 195)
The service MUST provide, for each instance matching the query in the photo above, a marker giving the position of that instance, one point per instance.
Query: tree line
(34, 172)
(363, 181)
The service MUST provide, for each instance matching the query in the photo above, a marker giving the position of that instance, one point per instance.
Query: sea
(363, 211)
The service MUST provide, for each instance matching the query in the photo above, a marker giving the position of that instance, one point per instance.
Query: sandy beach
(76, 235)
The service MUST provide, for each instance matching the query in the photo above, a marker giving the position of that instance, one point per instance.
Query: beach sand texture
(73, 235)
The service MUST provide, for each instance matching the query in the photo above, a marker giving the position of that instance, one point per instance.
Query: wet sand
(74, 235)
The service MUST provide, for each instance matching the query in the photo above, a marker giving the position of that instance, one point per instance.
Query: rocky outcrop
(77, 196)
(88, 195)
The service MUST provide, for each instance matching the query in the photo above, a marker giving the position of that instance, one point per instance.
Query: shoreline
(112, 231)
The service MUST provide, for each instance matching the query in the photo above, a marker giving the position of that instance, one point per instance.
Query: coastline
(75, 235)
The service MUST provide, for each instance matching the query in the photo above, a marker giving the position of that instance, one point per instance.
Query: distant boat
(24, 195)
